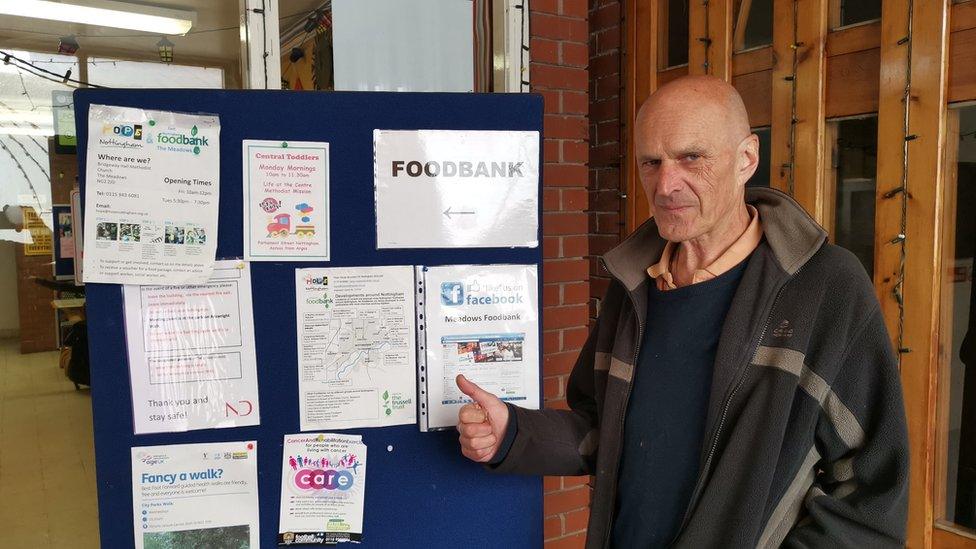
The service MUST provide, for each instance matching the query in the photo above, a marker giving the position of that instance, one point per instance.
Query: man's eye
(691, 157)
(651, 163)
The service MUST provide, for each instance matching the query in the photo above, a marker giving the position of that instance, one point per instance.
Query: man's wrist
(511, 429)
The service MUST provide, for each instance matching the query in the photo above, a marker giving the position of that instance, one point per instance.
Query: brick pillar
(606, 127)
(559, 57)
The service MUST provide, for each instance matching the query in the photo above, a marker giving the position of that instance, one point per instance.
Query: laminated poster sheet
(191, 353)
(196, 495)
(456, 189)
(481, 321)
(356, 347)
(323, 488)
(151, 200)
(286, 200)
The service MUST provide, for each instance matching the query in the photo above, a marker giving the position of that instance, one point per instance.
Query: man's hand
(481, 424)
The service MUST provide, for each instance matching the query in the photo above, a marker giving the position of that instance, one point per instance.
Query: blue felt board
(423, 493)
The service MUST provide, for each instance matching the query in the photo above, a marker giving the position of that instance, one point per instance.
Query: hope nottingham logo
(454, 294)
(133, 131)
(174, 138)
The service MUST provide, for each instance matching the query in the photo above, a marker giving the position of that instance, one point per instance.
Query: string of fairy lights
(795, 45)
(706, 40)
(902, 192)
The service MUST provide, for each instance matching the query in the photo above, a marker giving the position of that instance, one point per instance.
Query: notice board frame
(420, 492)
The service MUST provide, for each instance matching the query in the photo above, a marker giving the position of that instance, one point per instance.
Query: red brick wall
(559, 54)
(605, 216)
(38, 331)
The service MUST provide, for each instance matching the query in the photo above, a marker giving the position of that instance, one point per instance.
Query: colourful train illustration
(281, 228)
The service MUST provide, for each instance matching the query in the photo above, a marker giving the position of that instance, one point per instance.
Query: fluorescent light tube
(105, 13)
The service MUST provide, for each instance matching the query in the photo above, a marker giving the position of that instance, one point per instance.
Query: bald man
(738, 388)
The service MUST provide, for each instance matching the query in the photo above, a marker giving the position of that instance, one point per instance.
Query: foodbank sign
(189, 142)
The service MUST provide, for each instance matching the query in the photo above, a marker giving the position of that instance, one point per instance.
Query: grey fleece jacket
(805, 438)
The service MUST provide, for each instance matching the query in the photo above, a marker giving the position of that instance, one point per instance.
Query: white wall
(9, 319)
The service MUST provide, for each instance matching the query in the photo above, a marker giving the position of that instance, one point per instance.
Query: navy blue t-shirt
(665, 421)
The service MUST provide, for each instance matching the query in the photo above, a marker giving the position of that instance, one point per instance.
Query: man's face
(688, 165)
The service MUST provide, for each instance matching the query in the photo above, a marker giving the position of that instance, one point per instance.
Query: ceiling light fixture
(105, 13)
(165, 48)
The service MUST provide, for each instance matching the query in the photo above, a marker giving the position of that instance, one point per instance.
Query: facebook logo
(452, 293)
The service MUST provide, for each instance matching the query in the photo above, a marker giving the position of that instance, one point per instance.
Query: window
(852, 12)
(673, 42)
(957, 420)
(854, 162)
(753, 24)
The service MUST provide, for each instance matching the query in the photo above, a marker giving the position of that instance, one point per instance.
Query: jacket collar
(790, 231)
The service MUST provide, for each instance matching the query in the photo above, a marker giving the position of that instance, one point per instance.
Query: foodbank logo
(177, 138)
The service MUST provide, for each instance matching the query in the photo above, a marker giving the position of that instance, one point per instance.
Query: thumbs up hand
(481, 424)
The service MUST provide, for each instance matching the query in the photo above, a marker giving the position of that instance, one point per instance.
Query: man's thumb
(479, 395)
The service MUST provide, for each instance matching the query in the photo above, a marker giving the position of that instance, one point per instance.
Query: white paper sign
(152, 195)
(356, 354)
(191, 353)
(323, 488)
(481, 321)
(456, 189)
(196, 495)
(286, 200)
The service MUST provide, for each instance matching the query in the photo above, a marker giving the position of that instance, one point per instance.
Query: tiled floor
(47, 457)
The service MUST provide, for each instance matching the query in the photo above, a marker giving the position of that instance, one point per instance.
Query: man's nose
(670, 177)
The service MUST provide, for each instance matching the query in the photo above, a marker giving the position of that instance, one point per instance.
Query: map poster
(286, 200)
(356, 354)
(323, 488)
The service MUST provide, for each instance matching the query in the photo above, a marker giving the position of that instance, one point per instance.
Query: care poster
(323, 488)
(286, 200)
(196, 495)
(152, 196)
(481, 321)
(191, 353)
(356, 357)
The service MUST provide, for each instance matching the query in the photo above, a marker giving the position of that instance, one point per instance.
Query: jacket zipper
(728, 402)
(623, 416)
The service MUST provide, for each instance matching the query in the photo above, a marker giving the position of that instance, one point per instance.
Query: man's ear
(747, 159)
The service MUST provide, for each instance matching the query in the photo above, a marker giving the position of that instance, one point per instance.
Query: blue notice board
(423, 493)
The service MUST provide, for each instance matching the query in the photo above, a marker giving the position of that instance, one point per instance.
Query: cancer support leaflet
(191, 353)
(356, 356)
(323, 487)
(195, 495)
(481, 321)
(456, 189)
(152, 196)
(286, 200)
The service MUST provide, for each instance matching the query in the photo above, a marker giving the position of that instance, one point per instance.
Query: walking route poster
(356, 354)
(481, 321)
(191, 353)
(323, 488)
(456, 189)
(286, 200)
(152, 181)
(196, 495)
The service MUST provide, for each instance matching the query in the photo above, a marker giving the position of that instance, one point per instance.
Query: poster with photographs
(153, 195)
